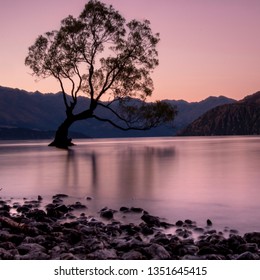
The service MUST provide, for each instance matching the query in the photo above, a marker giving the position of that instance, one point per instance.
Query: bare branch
(113, 111)
(118, 126)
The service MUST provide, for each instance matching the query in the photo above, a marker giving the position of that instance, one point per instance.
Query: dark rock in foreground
(37, 234)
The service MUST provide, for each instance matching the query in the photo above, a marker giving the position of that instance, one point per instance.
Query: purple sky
(207, 47)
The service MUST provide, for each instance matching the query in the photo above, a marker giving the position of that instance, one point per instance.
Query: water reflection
(137, 169)
(124, 173)
(196, 178)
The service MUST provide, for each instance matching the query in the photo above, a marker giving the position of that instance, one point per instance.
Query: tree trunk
(61, 139)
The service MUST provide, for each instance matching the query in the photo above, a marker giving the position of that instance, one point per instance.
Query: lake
(175, 178)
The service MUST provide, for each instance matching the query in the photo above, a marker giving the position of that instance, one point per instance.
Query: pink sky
(206, 48)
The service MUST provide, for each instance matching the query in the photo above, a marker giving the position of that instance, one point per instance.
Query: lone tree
(100, 55)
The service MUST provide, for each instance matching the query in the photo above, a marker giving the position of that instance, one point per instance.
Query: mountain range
(239, 118)
(26, 115)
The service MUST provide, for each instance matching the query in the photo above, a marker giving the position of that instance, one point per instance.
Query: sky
(207, 47)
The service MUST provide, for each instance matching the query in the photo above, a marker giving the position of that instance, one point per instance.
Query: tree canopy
(102, 56)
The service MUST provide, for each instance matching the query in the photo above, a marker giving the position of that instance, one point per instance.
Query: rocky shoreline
(31, 231)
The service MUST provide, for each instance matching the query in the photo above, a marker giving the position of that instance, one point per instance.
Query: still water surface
(175, 178)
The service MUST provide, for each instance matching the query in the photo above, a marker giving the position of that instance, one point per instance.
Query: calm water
(176, 178)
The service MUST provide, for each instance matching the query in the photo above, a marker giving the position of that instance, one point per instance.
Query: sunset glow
(206, 48)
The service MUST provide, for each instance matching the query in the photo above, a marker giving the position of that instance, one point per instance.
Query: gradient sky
(207, 47)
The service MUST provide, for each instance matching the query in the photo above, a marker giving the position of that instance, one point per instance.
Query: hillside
(239, 118)
(45, 112)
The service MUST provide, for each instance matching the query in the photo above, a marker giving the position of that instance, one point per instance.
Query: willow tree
(104, 57)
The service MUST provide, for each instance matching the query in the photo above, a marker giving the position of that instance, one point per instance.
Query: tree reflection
(117, 172)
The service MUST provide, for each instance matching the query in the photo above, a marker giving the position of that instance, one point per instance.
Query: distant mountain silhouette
(239, 118)
(31, 134)
(43, 113)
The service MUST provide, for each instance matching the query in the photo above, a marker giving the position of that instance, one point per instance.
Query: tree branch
(120, 127)
(113, 111)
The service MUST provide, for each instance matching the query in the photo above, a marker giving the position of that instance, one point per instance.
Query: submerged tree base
(65, 144)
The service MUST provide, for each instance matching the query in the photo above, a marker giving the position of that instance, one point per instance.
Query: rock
(124, 209)
(23, 209)
(56, 211)
(192, 257)
(234, 241)
(5, 255)
(26, 248)
(4, 213)
(233, 231)
(60, 195)
(223, 250)
(248, 256)
(191, 249)
(7, 245)
(78, 205)
(107, 214)
(125, 244)
(78, 250)
(57, 201)
(179, 223)
(147, 230)
(209, 223)
(199, 229)
(213, 257)
(73, 236)
(34, 234)
(106, 254)
(157, 252)
(68, 256)
(5, 207)
(38, 215)
(132, 255)
(161, 239)
(151, 221)
(184, 233)
(33, 255)
(253, 237)
(188, 222)
(136, 209)
(131, 229)
(62, 208)
(250, 247)
(16, 238)
(206, 250)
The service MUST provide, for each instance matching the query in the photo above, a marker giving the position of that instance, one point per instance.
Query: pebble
(55, 232)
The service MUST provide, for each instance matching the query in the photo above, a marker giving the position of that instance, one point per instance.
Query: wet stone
(253, 237)
(199, 229)
(157, 252)
(107, 214)
(136, 209)
(248, 256)
(35, 234)
(250, 247)
(179, 223)
(124, 209)
(78, 205)
(206, 250)
(132, 255)
(188, 222)
(151, 220)
(60, 195)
